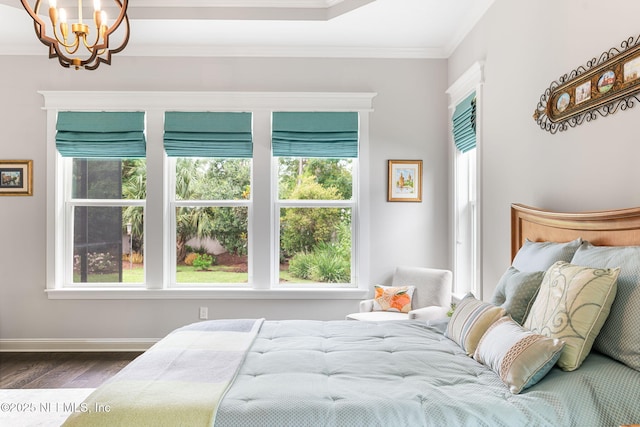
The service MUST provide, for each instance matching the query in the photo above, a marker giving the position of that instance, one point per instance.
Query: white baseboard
(78, 344)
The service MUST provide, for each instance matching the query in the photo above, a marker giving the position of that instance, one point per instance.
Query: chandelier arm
(91, 46)
(67, 46)
(72, 48)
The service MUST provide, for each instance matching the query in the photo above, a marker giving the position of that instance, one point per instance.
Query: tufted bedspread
(405, 373)
(345, 373)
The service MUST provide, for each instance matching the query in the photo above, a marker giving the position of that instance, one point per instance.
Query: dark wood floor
(60, 369)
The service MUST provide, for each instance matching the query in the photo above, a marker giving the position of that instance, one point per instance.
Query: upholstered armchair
(431, 297)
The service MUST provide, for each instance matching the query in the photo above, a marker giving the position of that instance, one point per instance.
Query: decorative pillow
(393, 298)
(572, 305)
(516, 291)
(539, 256)
(619, 337)
(520, 357)
(470, 320)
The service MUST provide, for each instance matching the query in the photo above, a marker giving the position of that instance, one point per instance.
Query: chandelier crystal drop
(78, 44)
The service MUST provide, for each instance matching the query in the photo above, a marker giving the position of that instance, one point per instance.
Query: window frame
(472, 80)
(157, 253)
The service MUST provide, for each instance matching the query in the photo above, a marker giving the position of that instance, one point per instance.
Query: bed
(479, 367)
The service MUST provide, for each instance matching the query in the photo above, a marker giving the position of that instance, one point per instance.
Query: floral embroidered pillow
(393, 298)
(572, 305)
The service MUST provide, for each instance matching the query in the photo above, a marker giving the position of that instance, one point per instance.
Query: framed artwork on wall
(405, 181)
(605, 85)
(16, 177)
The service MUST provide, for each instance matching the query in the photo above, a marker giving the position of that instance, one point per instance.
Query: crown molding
(312, 10)
(180, 51)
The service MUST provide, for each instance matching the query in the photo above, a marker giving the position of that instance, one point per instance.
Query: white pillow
(520, 357)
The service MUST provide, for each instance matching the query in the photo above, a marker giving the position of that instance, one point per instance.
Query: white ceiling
(296, 28)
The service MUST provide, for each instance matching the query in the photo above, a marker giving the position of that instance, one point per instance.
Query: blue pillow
(619, 337)
(515, 292)
(539, 256)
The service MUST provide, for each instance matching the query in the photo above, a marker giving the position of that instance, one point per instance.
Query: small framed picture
(583, 92)
(606, 81)
(405, 181)
(563, 101)
(632, 70)
(16, 177)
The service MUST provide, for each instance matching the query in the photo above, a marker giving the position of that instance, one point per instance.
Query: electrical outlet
(204, 313)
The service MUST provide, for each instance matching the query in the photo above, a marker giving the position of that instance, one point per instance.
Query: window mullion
(211, 203)
(315, 203)
(105, 202)
(156, 224)
(261, 232)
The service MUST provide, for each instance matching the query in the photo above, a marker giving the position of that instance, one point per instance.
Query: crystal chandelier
(83, 46)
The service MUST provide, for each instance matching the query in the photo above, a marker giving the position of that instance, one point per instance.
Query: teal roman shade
(100, 134)
(464, 127)
(315, 134)
(208, 134)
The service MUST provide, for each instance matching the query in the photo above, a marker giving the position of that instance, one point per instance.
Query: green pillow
(516, 291)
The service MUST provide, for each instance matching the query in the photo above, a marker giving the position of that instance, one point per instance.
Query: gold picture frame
(604, 86)
(404, 181)
(16, 177)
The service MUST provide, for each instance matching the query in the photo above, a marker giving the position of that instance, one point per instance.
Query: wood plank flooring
(61, 369)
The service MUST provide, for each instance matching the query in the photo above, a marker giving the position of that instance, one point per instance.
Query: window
(465, 95)
(105, 194)
(211, 195)
(208, 206)
(466, 231)
(316, 220)
(316, 156)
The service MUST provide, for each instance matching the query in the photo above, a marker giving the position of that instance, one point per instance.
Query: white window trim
(472, 80)
(157, 258)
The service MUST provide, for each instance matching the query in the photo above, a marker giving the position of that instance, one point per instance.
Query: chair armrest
(429, 313)
(366, 306)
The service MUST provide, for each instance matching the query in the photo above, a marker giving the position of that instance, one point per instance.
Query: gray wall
(409, 122)
(526, 46)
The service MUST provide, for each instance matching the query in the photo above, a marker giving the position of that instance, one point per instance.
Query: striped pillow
(470, 320)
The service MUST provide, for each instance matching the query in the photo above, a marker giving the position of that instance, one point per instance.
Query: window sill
(219, 293)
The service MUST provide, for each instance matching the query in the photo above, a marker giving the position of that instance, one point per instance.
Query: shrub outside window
(316, 229)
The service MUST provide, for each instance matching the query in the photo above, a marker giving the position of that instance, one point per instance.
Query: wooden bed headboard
(619, 227)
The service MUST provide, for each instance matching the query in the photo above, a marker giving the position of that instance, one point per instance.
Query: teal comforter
(405, 373)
